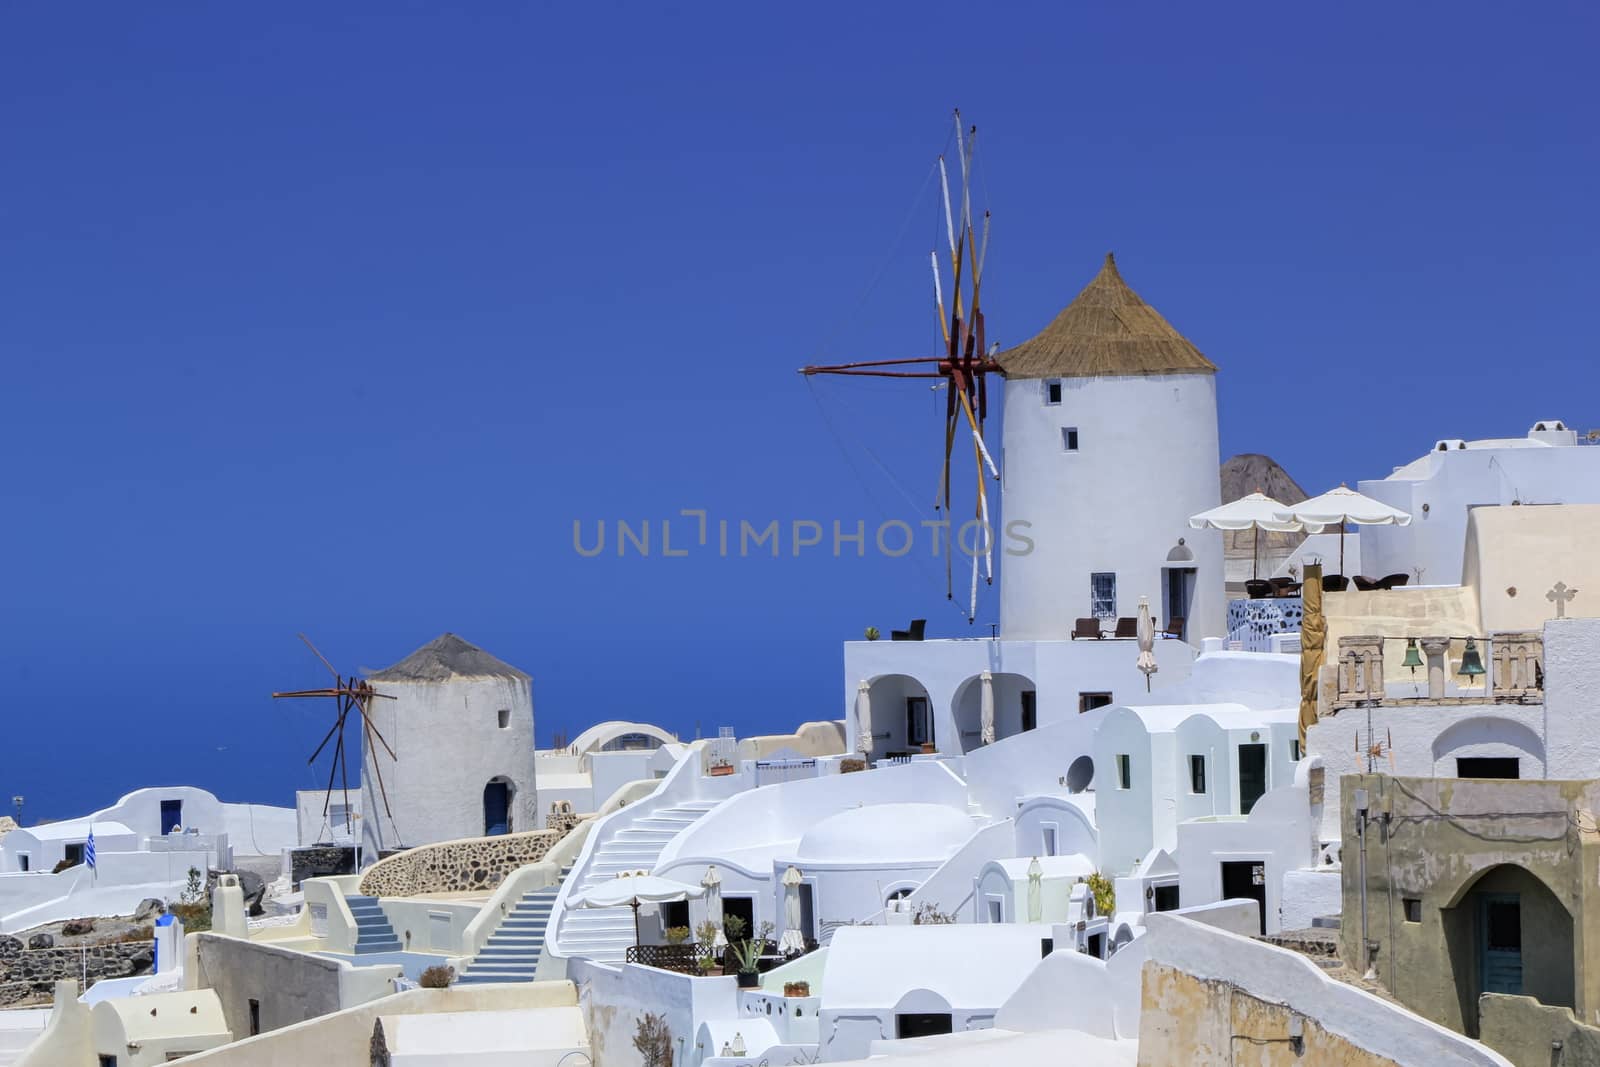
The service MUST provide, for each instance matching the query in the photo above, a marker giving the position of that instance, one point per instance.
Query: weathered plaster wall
(290, 987)
(1525, 1032)
(1441, 842)
(615, 998)
(1214, 997)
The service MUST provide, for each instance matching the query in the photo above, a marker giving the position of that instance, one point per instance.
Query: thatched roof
(1107, 331)
(444, 658)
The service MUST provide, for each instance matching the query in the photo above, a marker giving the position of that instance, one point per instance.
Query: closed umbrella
(864, 716)
(986, 708)
(1147, 642)
(633, 889)
(793, 939)
(712, 884)
(1035, 891)
(1254, 512)
(1344, 505)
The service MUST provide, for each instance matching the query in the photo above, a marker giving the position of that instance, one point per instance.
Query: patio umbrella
(793, 940)
(986, 707)
(633, 889)
(1254, 512)
(1147, 642)
(1035, 891)
(712, 883)
(864, 716)
(1344, 505)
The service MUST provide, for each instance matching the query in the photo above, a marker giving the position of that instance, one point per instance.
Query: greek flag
(88, 852)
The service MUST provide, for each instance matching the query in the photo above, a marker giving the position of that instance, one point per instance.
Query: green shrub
(677, 935)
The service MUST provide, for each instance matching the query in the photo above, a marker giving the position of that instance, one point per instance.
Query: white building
(601, 760)
(1551, 465)
(1110, 444)
(461, 727)
(145, 845)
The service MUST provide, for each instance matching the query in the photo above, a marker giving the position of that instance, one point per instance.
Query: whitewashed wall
(1147, 460)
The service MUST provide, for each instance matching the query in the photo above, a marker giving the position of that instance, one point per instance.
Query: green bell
(1413, 654)
(1471, 662)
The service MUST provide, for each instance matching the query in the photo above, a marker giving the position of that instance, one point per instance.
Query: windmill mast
(965, 363)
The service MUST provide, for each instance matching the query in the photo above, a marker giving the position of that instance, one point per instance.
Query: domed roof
(885, 834)
(1106, 331)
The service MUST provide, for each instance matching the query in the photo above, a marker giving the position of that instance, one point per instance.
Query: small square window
(1413, 909)
(1197, 774)
(1090, 701)
(1052, 391)
(1069, 438)
(1124, 772)
(504, 715)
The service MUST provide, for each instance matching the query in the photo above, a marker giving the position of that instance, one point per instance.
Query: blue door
(1500, 937)
(171, 815)
(496, 809)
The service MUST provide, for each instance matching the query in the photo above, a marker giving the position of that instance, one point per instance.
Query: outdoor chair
(1258, 588)
(913, 634)
(1365, 584)
(1285, 587)
(1334, 583)
(1088, 629)
(1393, 581)
(1174, 629)
(1127, 628)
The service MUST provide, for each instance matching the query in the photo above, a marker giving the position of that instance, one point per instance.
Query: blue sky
(335, 321)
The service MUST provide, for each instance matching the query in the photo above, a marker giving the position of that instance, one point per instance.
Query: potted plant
(927, 748)
(721, 768)
(797, 989)
(748, 954)
(872, 633)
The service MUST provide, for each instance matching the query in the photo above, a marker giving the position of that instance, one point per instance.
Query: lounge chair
(1174, 629)
(913, 634)
(1335, 583)
(1393, 581)
(1127, 628)
(1258, 588)
(1365, 584)
(1088, 629)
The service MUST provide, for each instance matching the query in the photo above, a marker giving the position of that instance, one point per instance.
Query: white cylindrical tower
(1110, 439)
(461, 726)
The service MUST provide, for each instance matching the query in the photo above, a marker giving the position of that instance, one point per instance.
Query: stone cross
(1559, 597)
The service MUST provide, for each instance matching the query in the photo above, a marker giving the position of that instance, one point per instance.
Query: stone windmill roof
(1106, 331)
(447, 656)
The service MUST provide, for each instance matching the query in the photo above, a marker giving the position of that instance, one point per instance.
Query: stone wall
(472, 864)
(29, 975)
(319, 861)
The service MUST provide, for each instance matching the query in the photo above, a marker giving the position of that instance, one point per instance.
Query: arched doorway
(497, 807)
(1015, 708)
(1507, 932)
(901, 715)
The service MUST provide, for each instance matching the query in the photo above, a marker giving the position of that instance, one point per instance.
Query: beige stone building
(1473, 887)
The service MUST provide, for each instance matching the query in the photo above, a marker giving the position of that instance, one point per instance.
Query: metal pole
(1361, 835)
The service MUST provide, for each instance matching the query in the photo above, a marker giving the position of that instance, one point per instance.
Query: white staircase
(604, 934)
(512, 952)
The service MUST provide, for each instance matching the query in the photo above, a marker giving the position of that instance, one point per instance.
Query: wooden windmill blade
(965, 357)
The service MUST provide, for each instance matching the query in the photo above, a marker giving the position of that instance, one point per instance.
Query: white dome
(885, 835)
